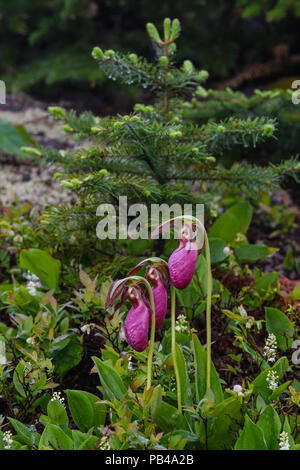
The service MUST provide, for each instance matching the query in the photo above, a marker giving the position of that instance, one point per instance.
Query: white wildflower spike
(104, 443)
(272, 379)
(57, 397)
(284, 441)
(182, 324)
(7, 438)
(33, 283)
(270, 349)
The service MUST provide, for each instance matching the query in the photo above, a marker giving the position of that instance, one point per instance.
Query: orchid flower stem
(174, 347)
(208, 311)
(152, 335)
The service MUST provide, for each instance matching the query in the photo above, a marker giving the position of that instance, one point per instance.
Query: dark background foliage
(46, 46)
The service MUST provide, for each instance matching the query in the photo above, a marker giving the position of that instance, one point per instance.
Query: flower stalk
(208, 311)
(152, 335)
(194, 221)
(173, 346)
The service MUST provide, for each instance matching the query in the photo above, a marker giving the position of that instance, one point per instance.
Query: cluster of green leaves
(149, 419)
(222, 105)
(43, 335)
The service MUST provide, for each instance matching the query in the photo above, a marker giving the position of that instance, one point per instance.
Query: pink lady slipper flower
(182, 262)
(159, 294)
(136, 325)
(137, 322)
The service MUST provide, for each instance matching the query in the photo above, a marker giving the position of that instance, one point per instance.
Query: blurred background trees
(45, 45)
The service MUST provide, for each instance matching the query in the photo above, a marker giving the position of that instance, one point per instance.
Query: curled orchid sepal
(154, 261)
(186, 220)
(120, 287)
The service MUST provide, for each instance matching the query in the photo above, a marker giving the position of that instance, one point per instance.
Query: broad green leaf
(224, 424)
(200, 372)
(265, 282)
(279, 324)
(235, 220)
(183, 377)
(24, 436)
(166, 416)
(216, 246)
(55, 437)
(41, 264)
(110, 380)
(251, 437)
(57, 413)
(269, 423)
(83, 441)
(99, 409)
(68, 357)
(89, 443)
(81, 409)
(253, 253)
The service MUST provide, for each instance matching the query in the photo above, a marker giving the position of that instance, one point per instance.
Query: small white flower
(130, 363)
(56, 396)
(33, 283)
(104, 443)
(30, 340)
(270, 349)
(182, 324)
(227, 251)
(284, 441)
(239, 390)
(31, 288)
(272, 379)
(7, 438)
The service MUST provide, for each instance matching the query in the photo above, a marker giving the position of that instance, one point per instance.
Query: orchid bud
(159, 295)
(182, 262)
(136, 325)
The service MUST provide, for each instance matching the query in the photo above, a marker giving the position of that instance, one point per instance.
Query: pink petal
(160, 302)
(182, 264)
(136, 326)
